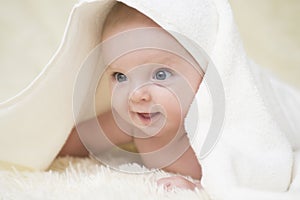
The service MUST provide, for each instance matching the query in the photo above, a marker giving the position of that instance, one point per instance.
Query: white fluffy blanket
(73, 179)
(252, 152)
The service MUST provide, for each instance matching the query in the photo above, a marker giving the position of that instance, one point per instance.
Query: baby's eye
(162, 74)
(120, 77)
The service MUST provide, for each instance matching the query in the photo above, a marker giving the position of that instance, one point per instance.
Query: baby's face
(152, 89)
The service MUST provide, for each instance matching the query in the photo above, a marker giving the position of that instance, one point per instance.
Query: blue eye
(162, 74)
(120, 77)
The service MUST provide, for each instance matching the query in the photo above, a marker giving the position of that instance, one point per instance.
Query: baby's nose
(141, 94)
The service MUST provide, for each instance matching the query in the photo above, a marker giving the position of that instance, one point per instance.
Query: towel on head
(242, 124)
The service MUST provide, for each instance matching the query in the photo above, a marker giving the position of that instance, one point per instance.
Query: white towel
(243, 124)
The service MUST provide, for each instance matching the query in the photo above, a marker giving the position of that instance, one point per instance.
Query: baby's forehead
(146, 57)
(122, 20)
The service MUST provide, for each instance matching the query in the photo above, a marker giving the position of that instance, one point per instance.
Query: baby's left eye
(162, 74)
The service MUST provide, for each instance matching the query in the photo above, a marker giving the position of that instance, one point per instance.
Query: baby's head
(151, 88)
(123, 18)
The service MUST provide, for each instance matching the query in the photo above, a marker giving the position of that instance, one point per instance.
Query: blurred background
(31, 31)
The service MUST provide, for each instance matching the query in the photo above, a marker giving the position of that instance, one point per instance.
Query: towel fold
(243, 123)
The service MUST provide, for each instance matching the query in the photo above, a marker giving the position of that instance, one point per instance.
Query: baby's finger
(166, 183)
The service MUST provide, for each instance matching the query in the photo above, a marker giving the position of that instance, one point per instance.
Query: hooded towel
(242, 124)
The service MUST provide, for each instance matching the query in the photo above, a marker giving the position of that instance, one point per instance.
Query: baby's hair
(121, 14)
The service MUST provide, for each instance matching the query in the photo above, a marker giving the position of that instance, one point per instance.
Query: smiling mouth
(147, 118)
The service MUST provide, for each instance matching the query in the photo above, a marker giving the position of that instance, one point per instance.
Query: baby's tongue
(146, 115)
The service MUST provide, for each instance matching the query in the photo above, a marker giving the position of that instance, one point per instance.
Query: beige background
(31, 31)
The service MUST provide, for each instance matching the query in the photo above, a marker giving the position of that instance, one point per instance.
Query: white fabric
(256, 155)
(76, 179)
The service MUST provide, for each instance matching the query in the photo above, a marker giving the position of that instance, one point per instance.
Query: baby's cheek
(174, 117)
(177, 100)
(119, 95)
(172, 104)
(119, 102)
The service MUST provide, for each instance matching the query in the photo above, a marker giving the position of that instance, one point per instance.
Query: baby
(151, 91)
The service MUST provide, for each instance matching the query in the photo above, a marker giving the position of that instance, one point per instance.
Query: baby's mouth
(147, 118)
(147, 115)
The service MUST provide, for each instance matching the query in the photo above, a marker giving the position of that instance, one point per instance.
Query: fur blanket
(72, 178)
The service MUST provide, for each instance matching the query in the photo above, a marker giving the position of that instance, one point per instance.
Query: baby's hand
(172, 182)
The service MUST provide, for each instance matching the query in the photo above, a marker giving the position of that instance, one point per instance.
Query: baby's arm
(186, 165)
(177, 158)
(75, 147)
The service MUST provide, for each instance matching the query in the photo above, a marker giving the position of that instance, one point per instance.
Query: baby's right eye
(120, 77)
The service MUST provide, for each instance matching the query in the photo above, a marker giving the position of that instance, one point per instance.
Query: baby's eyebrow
(109, 70)
(111, 67)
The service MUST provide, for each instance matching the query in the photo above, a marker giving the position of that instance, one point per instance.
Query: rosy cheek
(119, 96)
(171, 105)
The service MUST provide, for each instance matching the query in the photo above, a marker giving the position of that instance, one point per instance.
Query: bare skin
(142, 99)
(186, 165)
